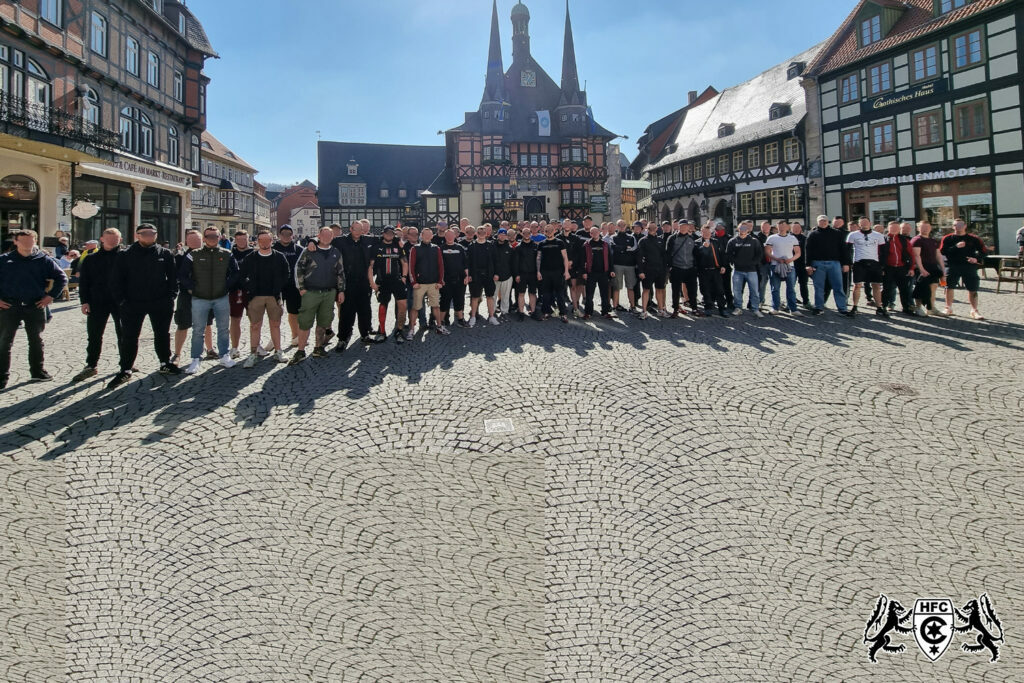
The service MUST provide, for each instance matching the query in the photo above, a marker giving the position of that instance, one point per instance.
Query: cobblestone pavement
(679, 500)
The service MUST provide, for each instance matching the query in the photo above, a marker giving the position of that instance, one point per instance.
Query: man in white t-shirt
(782, 250)
(867, 269)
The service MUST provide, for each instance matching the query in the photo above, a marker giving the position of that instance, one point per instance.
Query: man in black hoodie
(263, 276)
(97, 302)
(746, 255)
(292, 301)
(526, 271)
(598, 269)
(503, 272)
(480, 258)
(357, 250)
(240, 250)
(827, 258)
(144, 282)
(651, 269)
(710, 269)
(624, 256)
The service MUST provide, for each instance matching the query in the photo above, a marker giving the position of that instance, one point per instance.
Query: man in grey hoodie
(681, 248)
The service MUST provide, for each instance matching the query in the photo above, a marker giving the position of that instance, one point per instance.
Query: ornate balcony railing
(19, 112)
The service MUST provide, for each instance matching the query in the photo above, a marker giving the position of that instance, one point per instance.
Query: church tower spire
(520, 33)
(494, 86)
(570, 79)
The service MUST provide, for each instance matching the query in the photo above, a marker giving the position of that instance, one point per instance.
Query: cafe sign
(915, 95)
(951, 174)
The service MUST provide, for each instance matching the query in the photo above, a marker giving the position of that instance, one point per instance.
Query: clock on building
(529, 79)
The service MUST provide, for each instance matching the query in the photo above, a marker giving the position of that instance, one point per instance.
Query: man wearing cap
(746, 255)
(827, 259)
(29, 281)
(681, 247)
(624, 260)
(504, 256)
(387, 279)
(292, 301)
(144, 282)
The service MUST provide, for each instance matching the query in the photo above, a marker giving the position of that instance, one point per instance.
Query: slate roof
(413, 167)
(219, 149)
(194, 35)
(745, 106)
(917, 20)
(444, 184)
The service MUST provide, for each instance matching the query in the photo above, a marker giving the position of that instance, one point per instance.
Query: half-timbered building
(738, 155)
(531, 150)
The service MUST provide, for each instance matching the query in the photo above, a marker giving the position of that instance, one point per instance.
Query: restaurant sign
(914, 178)
(916, 95)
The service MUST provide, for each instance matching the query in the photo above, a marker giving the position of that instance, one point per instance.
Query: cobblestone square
(676, 500)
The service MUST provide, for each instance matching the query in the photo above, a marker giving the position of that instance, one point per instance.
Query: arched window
(195, 153)
(136, 132)
(91, 107)
(173, 150)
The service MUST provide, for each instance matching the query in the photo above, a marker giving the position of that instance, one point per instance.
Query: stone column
(137, 188)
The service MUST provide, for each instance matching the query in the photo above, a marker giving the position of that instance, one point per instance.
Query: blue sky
(397, 71)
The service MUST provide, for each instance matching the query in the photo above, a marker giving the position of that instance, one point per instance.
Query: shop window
(924, 63)
(969, 199)
(882, 139)
(968, 49)
(971, 120)
(849, 90)
(879, 205)
(880, 78)
(928, 129)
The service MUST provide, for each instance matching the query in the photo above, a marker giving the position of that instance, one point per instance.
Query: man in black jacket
(144, 282)
(651, 269)
(598, 269)
(97, 302)
(503, 272)
(682, 261)
(456, 277)
(240, 250)
(357, 254)
(624, 257)
(29, 280)
(827, 259)
(797, 231)
(710, 269)
(264, 274)
(745, 254)
(526, 271)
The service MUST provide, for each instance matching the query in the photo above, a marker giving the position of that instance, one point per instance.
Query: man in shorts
(320, 279)
(426, 273)
(264, 275)
(480, 258)
(651, 268)
(867, 269)
(964, 254)
(388, 271)
(292, 301)
(624, 262)
(525, 262)
(456, 277)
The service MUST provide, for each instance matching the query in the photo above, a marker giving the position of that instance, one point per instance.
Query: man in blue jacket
(29, 280)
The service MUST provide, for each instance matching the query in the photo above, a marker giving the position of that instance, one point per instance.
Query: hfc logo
(933, 621)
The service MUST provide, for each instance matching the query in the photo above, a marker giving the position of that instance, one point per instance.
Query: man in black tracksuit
(357, 254)
(552, 274)
(504, 255)
(710, 269)
(456, 276)
(598, 270)
(650, 268)
(624, 248)
(525, 262)
(97, 301)
(144, 282)
(683, 267)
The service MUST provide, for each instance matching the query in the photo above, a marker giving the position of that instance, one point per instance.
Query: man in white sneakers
(867, 268)
(208, 274)
(263, 278)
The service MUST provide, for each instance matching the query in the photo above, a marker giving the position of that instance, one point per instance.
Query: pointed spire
(570, 79)
(494, 87)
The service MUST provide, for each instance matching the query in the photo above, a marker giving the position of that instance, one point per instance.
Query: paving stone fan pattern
(678, 500)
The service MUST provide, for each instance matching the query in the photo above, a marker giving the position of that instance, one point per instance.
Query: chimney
(691, 97)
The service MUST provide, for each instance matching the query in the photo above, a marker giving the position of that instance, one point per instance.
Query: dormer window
(870, 30)
(384, 193)
(353, 168)
(402, 194)
(487, 114)
(950, 5)
(778, 111)
(726, 129)
(794, 70)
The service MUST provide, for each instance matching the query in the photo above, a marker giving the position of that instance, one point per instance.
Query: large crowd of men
(514, 271)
